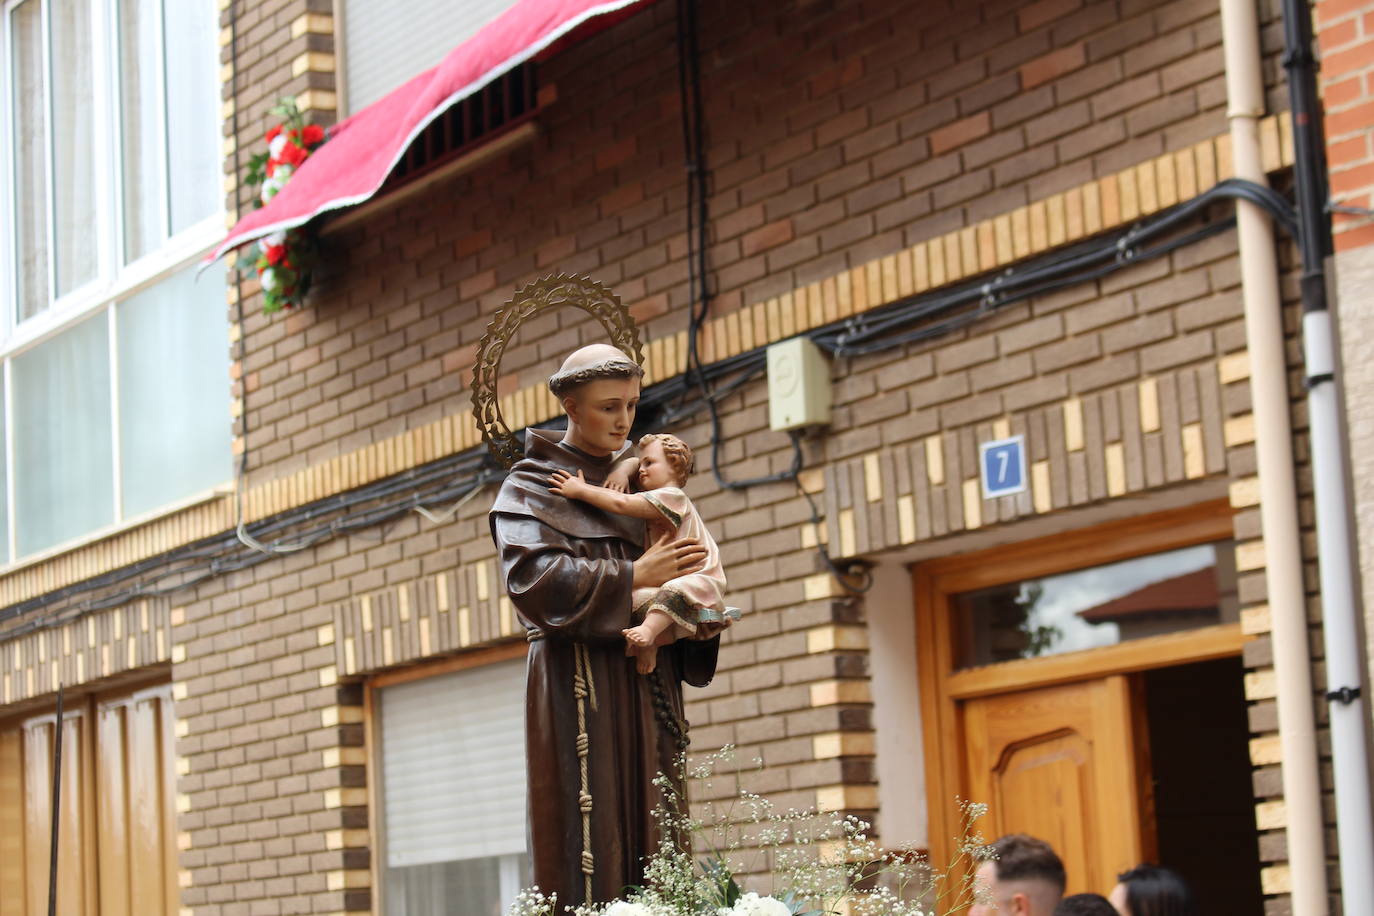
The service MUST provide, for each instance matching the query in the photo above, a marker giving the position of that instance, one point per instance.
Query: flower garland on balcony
(283, 261)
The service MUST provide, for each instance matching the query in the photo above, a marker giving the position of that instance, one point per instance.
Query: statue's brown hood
(526, 490)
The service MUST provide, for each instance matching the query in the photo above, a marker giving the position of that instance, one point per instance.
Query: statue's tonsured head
(589, 363)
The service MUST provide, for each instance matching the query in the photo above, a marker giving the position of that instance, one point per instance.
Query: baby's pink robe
(696, 599)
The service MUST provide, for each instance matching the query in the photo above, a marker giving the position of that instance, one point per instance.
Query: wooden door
(1060, 763)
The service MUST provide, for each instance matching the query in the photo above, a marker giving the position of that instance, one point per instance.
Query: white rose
(273, 239)
(751, 904)
(624, 908)
(283, 172)
(270, 282)
(275, 147)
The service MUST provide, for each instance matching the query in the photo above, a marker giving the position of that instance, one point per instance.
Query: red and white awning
(364, 148)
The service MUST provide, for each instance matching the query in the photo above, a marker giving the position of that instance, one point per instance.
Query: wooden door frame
(942, 688)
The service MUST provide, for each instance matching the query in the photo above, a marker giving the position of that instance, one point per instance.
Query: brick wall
(838, 133)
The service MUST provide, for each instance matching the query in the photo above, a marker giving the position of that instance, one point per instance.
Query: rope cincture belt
(584, 689)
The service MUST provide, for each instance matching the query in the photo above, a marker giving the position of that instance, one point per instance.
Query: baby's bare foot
(646, 660)
(639, 636)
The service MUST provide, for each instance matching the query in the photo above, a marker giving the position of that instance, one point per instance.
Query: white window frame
(115, 281)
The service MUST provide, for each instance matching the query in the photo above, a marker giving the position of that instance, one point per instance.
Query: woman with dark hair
(1152, 890)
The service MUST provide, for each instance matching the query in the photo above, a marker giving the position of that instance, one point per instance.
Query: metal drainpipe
(1274, 454)
(1335, 538)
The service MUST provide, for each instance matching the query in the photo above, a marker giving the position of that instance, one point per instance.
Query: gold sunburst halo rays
(535, 298)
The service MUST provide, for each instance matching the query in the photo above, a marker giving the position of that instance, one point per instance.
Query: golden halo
(529, 300)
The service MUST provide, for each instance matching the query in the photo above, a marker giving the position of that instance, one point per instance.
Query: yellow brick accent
(318, 100)
(973, 504)
(312, 62)
(847, 798)
(1261, 684)
(1239, 430)
(906, 519)
(348, 878)
(1073, 425)
(1115, 454)
(843, 744)
(1266, 750)
(1001, 428)
(836, 692)
(1276, 879)
(812, 480)
(1233, 367)
(345, 798)
(935, 460)
(346, 839)
(1271, 815)
(325, 635)
(836, 637)
(312, 23)
(329, 676)
(332, 757)
(1256, 620)
(1250, 556)
(1245, 492)
(1040, 486)
(873, 481)
(1194, 452)
(1149, 405)
(812, 534)
(821, 585)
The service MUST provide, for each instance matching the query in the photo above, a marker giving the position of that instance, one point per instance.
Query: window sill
(35, 559)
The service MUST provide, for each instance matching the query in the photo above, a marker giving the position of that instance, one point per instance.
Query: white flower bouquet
(811, 863)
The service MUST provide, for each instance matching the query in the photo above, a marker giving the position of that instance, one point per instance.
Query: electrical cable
(459, 476)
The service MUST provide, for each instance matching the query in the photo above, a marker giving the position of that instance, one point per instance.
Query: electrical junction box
(798, 385)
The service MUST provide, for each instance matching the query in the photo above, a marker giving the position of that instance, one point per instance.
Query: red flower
(293, 154)
(272, 134)
(271, 167)
(313, 134)
(275, 254)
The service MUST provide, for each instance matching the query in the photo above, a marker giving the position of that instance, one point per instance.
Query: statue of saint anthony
(597, 732)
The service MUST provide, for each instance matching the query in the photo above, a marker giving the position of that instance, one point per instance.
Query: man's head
(598, 386)
(1026, 878)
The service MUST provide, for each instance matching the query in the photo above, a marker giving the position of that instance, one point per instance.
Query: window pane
(453, 791)
(74, 159)
(62, 450)
(1100, 606)
(143, 174)
(4, 495)
(193, 160)
(473, 887)
(30, 159)
(174, 390)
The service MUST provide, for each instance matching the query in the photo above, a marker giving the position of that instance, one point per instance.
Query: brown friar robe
(568, 569)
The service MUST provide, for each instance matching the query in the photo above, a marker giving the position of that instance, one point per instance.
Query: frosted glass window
(139, 105)
(193, 112)
(63, 454)
(28, 133)
(73, 144)
(453, 789)
(173, 390)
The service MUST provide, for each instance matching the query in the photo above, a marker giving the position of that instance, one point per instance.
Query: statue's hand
(667, 559)
(565, 484)
(618, 480)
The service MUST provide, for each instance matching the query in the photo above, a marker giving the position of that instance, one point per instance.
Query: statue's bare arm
(630, 504)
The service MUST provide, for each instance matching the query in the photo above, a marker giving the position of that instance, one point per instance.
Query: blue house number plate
(1003, 463)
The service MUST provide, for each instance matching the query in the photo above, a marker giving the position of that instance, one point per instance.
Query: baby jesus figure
(688, 606)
